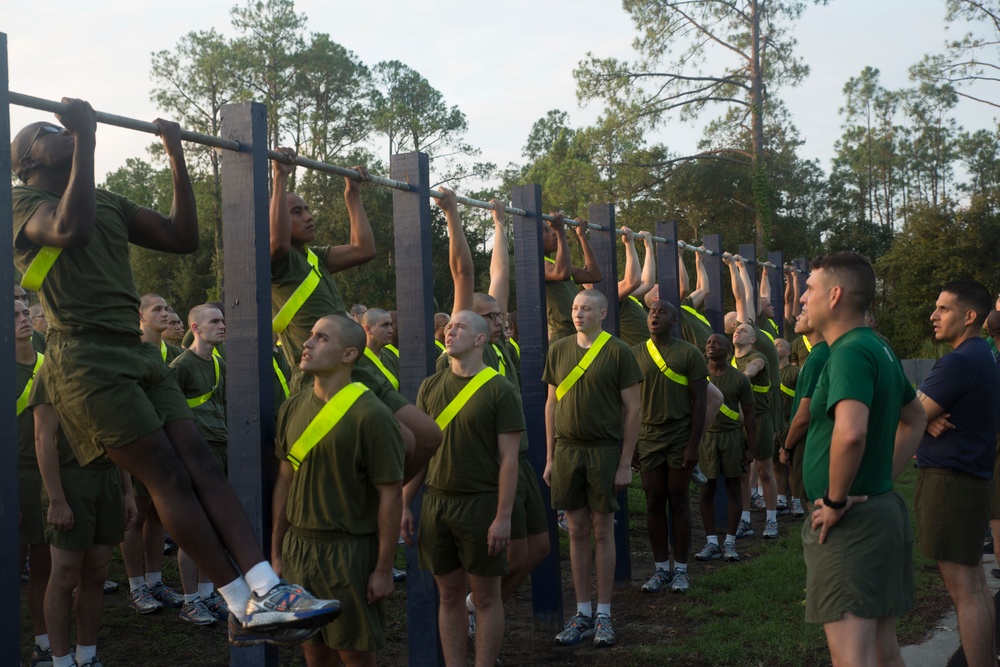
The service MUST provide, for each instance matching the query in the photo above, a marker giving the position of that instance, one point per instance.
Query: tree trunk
(760, 180)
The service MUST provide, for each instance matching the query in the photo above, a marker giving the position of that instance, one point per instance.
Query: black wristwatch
(832, 505)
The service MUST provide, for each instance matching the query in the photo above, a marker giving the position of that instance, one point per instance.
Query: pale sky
(503, 63)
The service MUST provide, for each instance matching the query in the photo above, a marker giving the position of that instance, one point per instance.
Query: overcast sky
(503, 63)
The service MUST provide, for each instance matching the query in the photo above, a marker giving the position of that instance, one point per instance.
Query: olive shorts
(953, 510)
(95, 496)
(529, 516)
(454, 532)
(29, 497)
(584, 476)
(721, 453)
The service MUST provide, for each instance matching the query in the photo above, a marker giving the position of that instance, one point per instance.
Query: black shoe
(995, 572)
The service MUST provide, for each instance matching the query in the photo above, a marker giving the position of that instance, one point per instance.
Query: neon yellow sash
(280, 376)
(299, 296)
(324, 422)
(637, 301)
(729, 412)
(695, 313)
(163, 349)
(204, 398)
(658, 360)
(502, 366)
(39, 267)
(392, 348)
(22, 400)
(439, 344)
(552, 261)
(584, 364)
(457, 403)
(517, 348)
(385, 371)
(809, 347)
(788, 390)
(766, 333)
(759, 388)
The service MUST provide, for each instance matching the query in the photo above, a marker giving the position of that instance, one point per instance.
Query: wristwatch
(831, 504)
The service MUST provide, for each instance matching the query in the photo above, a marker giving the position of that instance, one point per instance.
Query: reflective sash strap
(550, 260)
(766, 333)
(729, 412)
(584, 364)
(658, 360)
(163, 349)
(809, 347)
(324, 422)
(195, 402)
(216, 353)
(502, 369)
(788, 390)
(39, 267)
(439, 344)
(637, 301)
(392, 348)
(280, 376)
(22, 400)
(457, 403)
(694, 312)
(760, 389)
(774, 325)
(299, 296)
(517, 348)
(385, 371)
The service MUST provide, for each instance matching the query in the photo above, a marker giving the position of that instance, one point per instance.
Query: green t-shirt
(789, 380)
(368, 367)
(809, 374)
(559, 297)
(286, 373)
(666, 404)
(800, 351)
(765, 346)
(168, 351)
(38, 341)
(736, 392)
(25, 421)
(334, 487)
(591, 412)
(196, 377)
(468, 460)
(761, 399)
(88, 288)
(286, 275)
(769, 326)
(632, 321)
(693, 329)
(67, 457)
(863, 368)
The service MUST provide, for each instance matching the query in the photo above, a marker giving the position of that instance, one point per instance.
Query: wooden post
(250, 399)
(10, 569)
(776, 279)
(802, 264)
(529, 277)
(668, 269)
(714, 311)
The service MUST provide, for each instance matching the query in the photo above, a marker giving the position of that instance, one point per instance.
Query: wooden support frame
(668, 269)
(714, 311)
(776, 279)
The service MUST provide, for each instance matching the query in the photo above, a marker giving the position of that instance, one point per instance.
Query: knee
(656, 503)
(538, 548)
(64, 576)
(451, 596)
(579, 531)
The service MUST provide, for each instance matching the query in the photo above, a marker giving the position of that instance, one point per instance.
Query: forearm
(909, 431)
(591, 272)
(800, 425)
(280, 219)
(76, 213)
(845, 459)
(48, 464)
(632, 417)
(500, 268)
(507, 488)
(411, 488)
(183, 210)
(460, 261)
(362, 237)
(550, 430)
(648, 270)
(699, 400)
(390, 509)
(749, 307)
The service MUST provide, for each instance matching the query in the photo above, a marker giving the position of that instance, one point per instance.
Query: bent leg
(535, 550)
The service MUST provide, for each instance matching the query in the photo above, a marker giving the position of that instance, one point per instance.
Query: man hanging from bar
(562, 278)
(303, 290)
(114, 394)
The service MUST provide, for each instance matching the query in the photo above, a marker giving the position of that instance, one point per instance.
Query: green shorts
(953, 510)
(337, 566)
(454, 533)
(29, 499)
(721, 453)
(109, 390)
(584, 476)
(657, 446)
(529, 516)
(764, 447)
(95, 496)
(865, 568)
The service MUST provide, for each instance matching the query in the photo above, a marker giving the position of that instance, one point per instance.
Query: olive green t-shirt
(169, 351)
(632, 321)
(765, 346)
(38, 341)
(666, 403)
(468, 460)
(762, 399)
(559, 297)
(286, 275)
(789, 381)
(23, 373)
(196, 377)
(862, 368)
(334, 488)
(365, 364)
(286, 374)
(800, 351)
(89, 288)
(67, 457)
(736, 393)
(591, 412)
(693, 329)
(768, 327)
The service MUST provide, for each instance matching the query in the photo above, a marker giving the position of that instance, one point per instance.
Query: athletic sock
(153, 578)
(681, 567)
(85, 654)
(191, 597)
(772, 515)
(760, 490)
(745, 517)
(604, 609)
(63, 661)
(135, 583)
(663, 565)
(713, 539)
(205, 589)
(585, 608)
(236, 594)
(261, 578)
(469, 604)
(42, 642)
(730, 539)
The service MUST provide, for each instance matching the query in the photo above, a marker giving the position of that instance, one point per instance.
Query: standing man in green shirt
(593, 405)
(866, 425)
(378, 336)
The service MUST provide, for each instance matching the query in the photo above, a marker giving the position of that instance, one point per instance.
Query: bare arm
(550, 433)
(459, 254)
(390, 505)
(754, 367)
(631, 418)
(739, 293)
(701, 291)
(500, 259)
(362, 246)
(47, 450)
(633, 278)
(847, 447)
(909, 431)
(713, 402)
(591, 271)
(749, 307)
(931, 407)
(279, 513)
(498, 536)
(648, 267)
(682, 275)
(280, 219)
(764, 293)
(698, 390)
(410, 490)
(800, 424)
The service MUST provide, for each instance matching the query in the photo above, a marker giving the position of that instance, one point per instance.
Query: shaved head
(347, 330)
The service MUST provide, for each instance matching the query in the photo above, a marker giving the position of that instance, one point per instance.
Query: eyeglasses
(52, 129)
(496, 317)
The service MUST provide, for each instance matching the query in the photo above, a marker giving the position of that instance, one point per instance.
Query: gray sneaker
(656, 582)
(166, 595)
(681, 582)
(797, 508)
(240, 636)
(604, 633)
(744, 529)
(217, 606)
(757, 502)
(93, 663)
(288, 605)
(41, 657)
(770, 530)
(698, 477)
(729, 551)
(576, 630)
(196, 613)
(142, 601)
(711, 551)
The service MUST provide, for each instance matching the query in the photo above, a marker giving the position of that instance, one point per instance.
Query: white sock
(604, 609)
(772, 515)
(663, 565)
(205, 589)
(85, 654)
(135, 583)
(261, 578)
(745, 517)
(153, 578)
(730, 539)
(42, 642)
(190, 597)
(63, 661)
(760, 490)
(585, 608)
(782, 498)
(713, 539)
(236, 594)
(469, 604)
(680, 567)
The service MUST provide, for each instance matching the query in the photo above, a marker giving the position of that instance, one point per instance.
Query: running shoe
(240, 636)
(217, 606)
(744, 529)
(729, 551)
(770, 530)
(698, 477)
(95, 662)
(398, 575)
(166, 595)
(681, 582)
(604, 633)
(143, 602)
(656, 582)
(110, 586)
(710, 551)
(797, 508)
(781, 505)
(41, 657)
(288, 605)
(576, 630)
(196, 613)
(757, 502)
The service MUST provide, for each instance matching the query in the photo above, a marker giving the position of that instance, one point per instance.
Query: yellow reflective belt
(809, 347)
(281, 376)
(697, 314)
(22, 400)
(392, 348)
(729, 412)
(39, 267)
(517, 348)
(299, 296)
(439, 344)
(502, 368)
(195, 402)
(163, 349)
(385, 371)
(658, 360)
(324, 422)
(788, 390)
(760, 389)
(584, 364)
(457, 403)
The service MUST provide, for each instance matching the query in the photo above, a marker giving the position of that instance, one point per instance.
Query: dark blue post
(411, 214)
(802, 264)
(250, 400)
(529, 277)
(749, 252)
(714, 312)
(776, 279)
(668, 267)
(10, 569)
